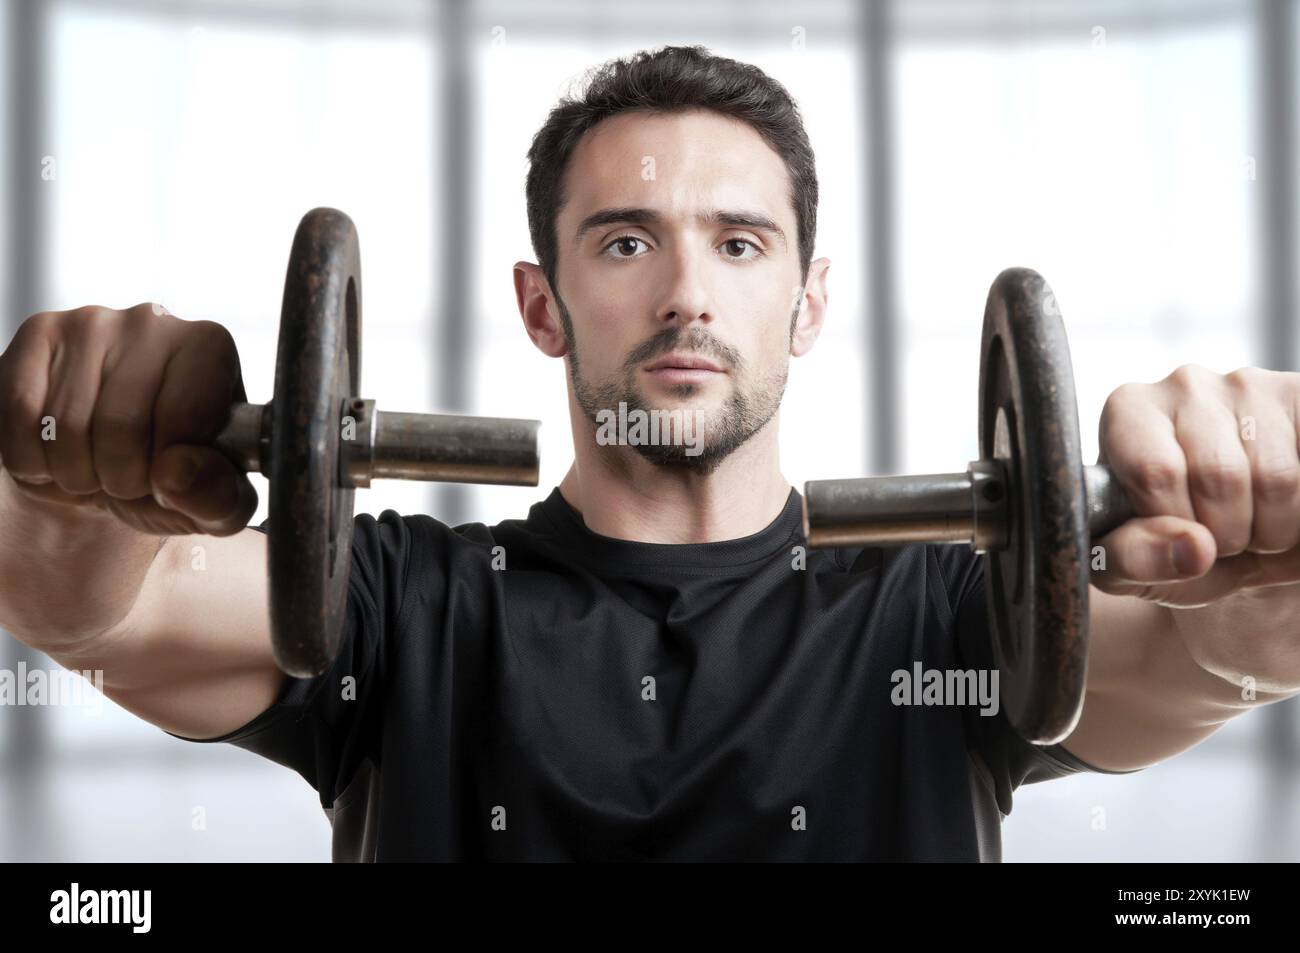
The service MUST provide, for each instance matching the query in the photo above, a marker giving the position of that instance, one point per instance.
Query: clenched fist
(119, 410)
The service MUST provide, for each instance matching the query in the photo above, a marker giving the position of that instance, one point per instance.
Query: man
(651, 665)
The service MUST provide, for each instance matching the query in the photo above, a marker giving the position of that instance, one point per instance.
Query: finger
(146, 514)
(1246, 570)
(1268, 436)
(1138, 441)
(1152, 549)
(197, 391)
(76, 373)
(1263, 570)
(1218, 471)
(49, 492)
(203, 484)
(24, 383)
(193, 406)
(122, 427)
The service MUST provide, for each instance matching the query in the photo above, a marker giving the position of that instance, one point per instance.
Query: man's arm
(190, 650)
(1147, 698)
(1194, 609)
(193, 655)
(107, 426)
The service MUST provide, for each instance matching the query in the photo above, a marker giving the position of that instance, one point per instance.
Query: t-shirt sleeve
(325, 726)
(1010, 758)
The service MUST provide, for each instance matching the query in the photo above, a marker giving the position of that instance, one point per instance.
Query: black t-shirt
(534, 690)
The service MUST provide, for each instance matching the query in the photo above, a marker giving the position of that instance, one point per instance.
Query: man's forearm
(1149, 696)
(1239, 642)
(66, 573)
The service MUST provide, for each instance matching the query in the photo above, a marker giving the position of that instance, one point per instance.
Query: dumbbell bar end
(968, 507)
(375, 445)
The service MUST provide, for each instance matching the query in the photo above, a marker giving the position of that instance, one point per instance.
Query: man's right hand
(112, 409)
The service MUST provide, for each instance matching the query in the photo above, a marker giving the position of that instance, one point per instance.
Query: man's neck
(631, 498)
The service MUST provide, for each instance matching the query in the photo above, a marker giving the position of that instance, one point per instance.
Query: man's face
(678, 238)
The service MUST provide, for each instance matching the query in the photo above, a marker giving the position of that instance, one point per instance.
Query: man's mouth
(681, 368)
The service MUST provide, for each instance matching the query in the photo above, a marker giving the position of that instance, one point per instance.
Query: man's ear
(812, 313)
(538, 310)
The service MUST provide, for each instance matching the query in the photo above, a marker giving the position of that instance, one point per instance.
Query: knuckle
(1249, 378)
(149, 309)
(219, 342)
(1187, 376)
(1118, 409)
(74, 327)
(70, 422)
(1119, 398)
(214, 333)
(137, 318)
(1157, 475)
(89, 312)
(42, 321)
(1276, 481)
(137, 330)
(120, 424)
(1220, 477)
(40, 326)
(19, 404)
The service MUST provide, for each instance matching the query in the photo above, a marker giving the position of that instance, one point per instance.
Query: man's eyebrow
(730, 218)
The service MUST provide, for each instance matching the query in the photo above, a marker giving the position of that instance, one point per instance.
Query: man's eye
(742, 241)
(623, 241)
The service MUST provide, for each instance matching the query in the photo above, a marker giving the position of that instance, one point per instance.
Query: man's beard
(741, 415)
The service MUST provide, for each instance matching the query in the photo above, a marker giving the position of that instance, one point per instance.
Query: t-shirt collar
(785, 530)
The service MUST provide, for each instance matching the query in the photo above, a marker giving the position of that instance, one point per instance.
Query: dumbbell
(1029, 505)
(316, 441)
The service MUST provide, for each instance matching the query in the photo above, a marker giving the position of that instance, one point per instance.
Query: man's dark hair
(669, 79)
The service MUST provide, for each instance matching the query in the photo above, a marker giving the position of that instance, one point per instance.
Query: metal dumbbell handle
(968, 507)
(399, 446)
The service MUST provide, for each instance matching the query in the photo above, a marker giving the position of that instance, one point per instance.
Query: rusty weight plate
(1038, 586)
(317, 368)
